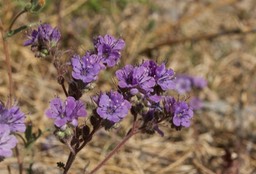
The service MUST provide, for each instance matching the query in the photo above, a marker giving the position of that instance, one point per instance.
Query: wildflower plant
(142, 93)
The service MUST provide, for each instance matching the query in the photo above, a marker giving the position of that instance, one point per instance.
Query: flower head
(66, 112)
(43, 39)
(86, 68)
(7, 141)
(163, 77)
(112, 106)
(12, 117)
(180, 112)
(108, 49)
(135, 78)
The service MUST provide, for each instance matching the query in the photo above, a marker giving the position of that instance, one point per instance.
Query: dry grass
(222, 138)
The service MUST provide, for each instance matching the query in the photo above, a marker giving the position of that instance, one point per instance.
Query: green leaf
(30, 136)
(28, 132)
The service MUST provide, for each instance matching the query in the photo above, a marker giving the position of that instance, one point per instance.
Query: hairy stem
(72, 155)
(126, 138)
(70, 161)
(64, 89)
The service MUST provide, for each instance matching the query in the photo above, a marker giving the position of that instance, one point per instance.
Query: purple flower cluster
(109, 49)
(107, 53)
(43, 39)
(66, 112)
(180, 112)
(112, 106)
(150, 81)
(11, 121)
(86, 68)
(149, 78)
(141, 90)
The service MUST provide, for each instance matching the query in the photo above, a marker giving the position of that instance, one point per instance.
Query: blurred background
(213, 39)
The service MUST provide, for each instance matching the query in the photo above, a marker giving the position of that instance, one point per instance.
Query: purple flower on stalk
(108, 49)
(86, 68)
(12, 117)
(125, 77)
(180, 112)
(45, 35)
(43, 40)
(135, 78)
(66, 112)
(7, 141)
(112, 106)
(163, 77)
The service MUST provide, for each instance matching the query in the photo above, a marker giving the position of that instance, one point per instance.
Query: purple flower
(108, 49)
(142, 78)
(7, 141)
(125, 77)
(163, 77)
(135, 77)
(154, 98)
(43, 40)
(86, 69)
(66, 112)
(183, 84)
(112, 106)
(180, 111)
(12, 117)
(182, 114)
(45, 34)
(199, 82)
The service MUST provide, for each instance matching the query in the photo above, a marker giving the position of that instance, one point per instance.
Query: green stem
(15, 18)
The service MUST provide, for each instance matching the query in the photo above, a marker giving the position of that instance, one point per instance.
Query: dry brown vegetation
(214, 39)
